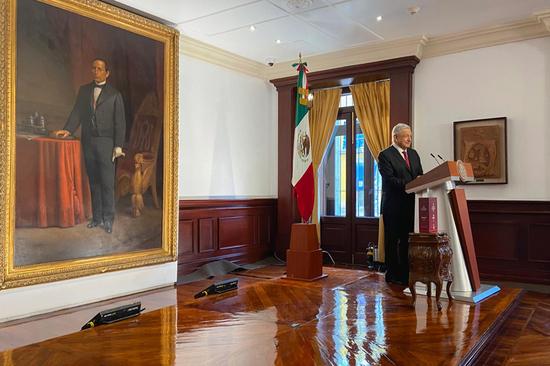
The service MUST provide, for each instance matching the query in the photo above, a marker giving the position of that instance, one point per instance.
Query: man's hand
(117, 152)
(60, 134)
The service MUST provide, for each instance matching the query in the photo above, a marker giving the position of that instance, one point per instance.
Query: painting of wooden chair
(136, 172)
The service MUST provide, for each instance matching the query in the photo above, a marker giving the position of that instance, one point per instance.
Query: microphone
(114, 315)
(438, 163)
(443, 160)
(219, 288)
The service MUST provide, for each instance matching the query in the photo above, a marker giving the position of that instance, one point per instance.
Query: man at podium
(398, 165)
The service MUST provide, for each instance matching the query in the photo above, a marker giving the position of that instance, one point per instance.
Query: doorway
(349, 190)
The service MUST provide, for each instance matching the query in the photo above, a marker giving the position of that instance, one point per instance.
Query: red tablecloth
(52, 187)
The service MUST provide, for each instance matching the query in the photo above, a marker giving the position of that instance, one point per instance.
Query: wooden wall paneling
(207, 235)
(236, 231)
(264, 229)
(187, 238)
(240, 231)
(511, 240)
(496, 240)
(538, 242)
(510, 237)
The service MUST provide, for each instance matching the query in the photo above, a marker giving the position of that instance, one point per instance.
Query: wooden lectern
(453, 219)
(304, 259)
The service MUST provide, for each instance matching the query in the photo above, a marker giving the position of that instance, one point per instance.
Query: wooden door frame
(399, 71)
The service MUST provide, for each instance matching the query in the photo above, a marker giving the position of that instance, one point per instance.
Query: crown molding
(214, 55)
(538, 26)
(420, 46)
(544, 18)
(355, 56)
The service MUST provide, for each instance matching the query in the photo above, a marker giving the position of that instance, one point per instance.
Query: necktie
(97, 91)
(406, 159)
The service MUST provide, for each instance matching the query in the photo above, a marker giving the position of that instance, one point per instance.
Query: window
(349, 168)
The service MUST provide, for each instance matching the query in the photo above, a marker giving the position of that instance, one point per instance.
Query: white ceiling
(326, 25)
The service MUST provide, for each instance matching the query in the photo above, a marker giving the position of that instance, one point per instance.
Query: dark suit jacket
(395, 176)
(109, 114)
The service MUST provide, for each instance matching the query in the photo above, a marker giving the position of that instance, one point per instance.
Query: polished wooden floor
(352, 317)
(524, 339)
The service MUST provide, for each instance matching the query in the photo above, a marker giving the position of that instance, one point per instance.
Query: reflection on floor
(350, 317)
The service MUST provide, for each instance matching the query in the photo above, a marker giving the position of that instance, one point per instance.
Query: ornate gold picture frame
(482, 143)
(55, 188)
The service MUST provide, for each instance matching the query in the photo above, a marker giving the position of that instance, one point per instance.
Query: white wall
(228, 133)
(31, 300)
(510, 80)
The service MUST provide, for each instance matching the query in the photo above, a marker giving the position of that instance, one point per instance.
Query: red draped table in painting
(52, 187)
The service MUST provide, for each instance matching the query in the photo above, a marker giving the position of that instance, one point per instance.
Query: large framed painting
(88, 135)
(482, 143)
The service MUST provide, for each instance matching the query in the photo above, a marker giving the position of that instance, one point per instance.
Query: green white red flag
(302, 166)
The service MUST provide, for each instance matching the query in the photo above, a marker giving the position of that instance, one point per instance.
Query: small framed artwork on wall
(482, 143)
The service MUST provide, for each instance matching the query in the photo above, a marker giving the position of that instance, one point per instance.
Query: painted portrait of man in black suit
(100, 91)
(100, 110)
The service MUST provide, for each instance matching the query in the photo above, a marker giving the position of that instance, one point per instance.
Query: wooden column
(401, 96)
(288, 213)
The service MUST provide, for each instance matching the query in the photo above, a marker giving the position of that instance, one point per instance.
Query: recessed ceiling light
(252, 28)
(413, 10)
(278, 41)
(379, 18)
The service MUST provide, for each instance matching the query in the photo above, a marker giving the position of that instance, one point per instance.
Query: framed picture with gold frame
(482, 143)
(88, 140)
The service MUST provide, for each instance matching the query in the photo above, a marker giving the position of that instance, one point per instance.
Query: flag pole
(300, 61)
(304, 257)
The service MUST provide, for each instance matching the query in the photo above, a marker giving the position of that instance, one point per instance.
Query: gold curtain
(322, 118)
(372, 105)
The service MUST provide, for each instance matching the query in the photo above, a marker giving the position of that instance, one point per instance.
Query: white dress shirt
(400, 150)
(97, 91)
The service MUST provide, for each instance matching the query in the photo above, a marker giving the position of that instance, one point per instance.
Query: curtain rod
(342, 87)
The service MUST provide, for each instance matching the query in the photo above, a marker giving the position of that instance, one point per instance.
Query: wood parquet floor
(352, 317)
(524, 339)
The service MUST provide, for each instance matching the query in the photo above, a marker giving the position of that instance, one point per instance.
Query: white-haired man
(398, 165)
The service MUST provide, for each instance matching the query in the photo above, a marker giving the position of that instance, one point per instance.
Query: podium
(304, 259)
(453, 219)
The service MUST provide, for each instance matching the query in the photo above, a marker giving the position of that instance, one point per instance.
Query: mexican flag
(302, 167)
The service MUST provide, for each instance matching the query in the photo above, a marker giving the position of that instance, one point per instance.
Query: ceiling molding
(421, 47)
(205, 52)
(544, 18)
(491, 36)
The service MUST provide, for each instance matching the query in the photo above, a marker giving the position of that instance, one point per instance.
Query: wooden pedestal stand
(304, 259)
(430, 261)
